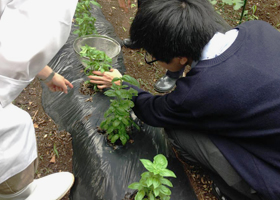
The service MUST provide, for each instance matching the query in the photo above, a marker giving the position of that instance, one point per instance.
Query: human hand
(59, 83)
(122, 4)
(104, 80)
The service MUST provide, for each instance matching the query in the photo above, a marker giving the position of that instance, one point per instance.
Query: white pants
(18, 148)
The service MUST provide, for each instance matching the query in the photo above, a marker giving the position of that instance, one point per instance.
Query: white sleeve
(31, 33)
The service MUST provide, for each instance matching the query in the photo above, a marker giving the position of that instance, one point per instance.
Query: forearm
(54, 81)
(45, 73)
(157, 111)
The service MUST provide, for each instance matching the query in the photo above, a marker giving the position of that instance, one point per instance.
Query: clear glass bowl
(101, 42)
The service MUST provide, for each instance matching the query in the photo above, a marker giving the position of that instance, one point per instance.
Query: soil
(55, 147)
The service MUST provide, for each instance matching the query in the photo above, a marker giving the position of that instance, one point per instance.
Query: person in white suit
(31, 33)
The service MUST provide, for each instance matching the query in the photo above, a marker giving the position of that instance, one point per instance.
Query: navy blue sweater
(235, 97)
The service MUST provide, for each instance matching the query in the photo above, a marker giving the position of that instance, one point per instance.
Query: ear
(183, 60)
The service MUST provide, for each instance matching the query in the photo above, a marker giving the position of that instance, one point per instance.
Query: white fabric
(3, 4)
(50, 187)
(18, 142)
(31, 33)
(218, 44)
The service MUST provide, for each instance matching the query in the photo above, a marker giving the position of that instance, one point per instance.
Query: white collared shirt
(218, 44)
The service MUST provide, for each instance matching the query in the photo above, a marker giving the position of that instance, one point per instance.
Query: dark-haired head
(175, 28)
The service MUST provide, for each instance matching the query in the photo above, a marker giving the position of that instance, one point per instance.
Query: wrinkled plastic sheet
(102, 172)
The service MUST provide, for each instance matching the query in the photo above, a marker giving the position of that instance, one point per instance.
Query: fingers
(101, 74)
(68, 83)
(59, 89)
(54, 88)
(64, 88)
(101, 82)
(98, 73)
(106, 77)
(96, 78)
(59, 83)
(104, 80)
(101, 86)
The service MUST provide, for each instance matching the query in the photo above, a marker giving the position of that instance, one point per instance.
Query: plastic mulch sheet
(103, 172)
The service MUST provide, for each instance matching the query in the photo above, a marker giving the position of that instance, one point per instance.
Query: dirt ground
(55, 147)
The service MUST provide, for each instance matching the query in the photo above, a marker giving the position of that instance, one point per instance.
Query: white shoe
(51, 187)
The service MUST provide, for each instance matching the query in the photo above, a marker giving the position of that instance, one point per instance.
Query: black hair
(175, 28)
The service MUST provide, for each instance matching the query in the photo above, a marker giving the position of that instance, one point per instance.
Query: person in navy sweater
(225, 113)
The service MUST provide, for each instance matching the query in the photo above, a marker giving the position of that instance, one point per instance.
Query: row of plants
(117, 120)
(153, 184)
(84, 19)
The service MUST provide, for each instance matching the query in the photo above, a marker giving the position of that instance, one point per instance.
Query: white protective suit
(31, 33)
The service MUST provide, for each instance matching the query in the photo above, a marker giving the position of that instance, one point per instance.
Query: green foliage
(96, 61)
(83, 18)
(213, 2)
(251, 16)
(152, 183)
(117, 117)
(237, 4)
(55, 150)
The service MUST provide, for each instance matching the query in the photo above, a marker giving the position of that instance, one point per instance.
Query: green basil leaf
(164, 190)
(147, 164)
(110, 130)
(145, 175)
(96, 4)
(135, 186)
(149, 181)
(116, 79)
(156, 191)
(140, 195)
(151, 196)
(165, 181)
(114, 138)
(110, 93)
(130, 80)
(125, 121)
(116, 123)
(156, 182)
(123, 139)
(102, 124)
(161, 161)
(165, 198)
(167, 173)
